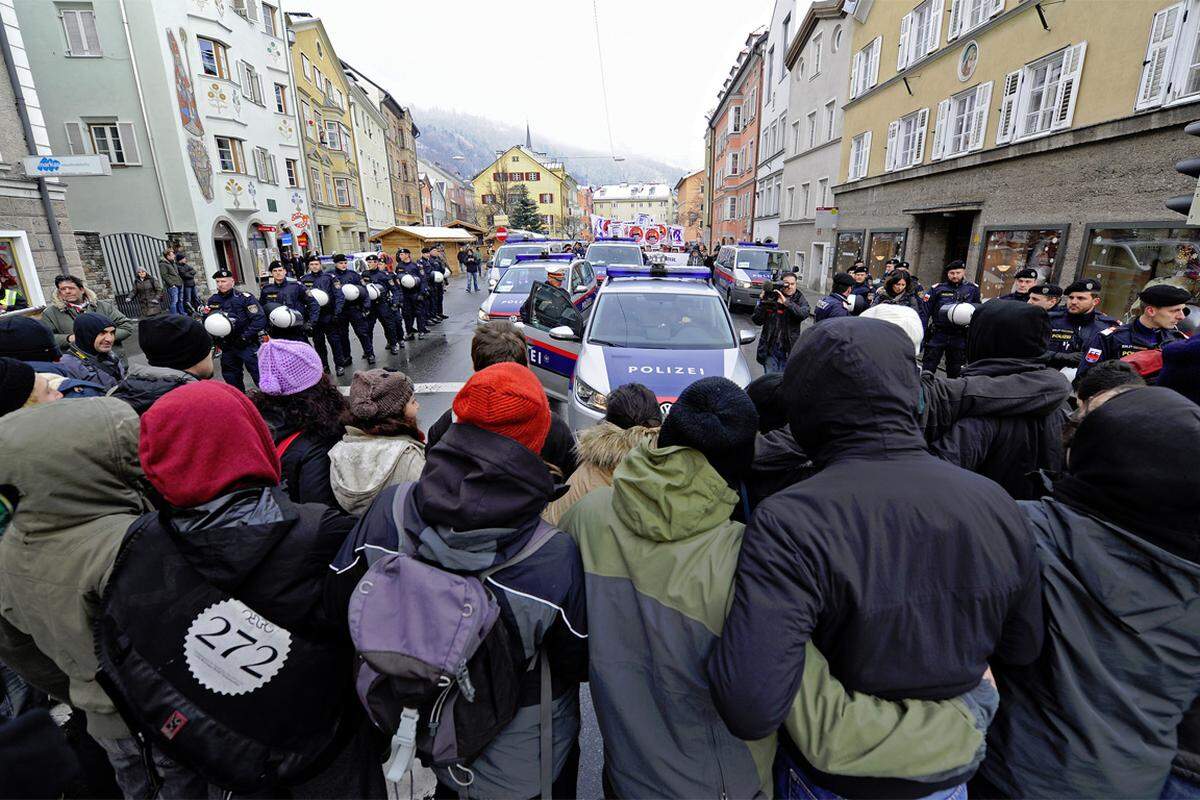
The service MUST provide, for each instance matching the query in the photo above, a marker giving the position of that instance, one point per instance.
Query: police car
(740, 270)
(616, 251)
(510, 293)
(506, 255)
(660, 326)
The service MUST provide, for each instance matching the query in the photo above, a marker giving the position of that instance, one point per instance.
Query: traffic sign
(501, 234)
(66, 165)
(285, 238)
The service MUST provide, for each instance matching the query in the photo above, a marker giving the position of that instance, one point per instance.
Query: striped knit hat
(506, 399)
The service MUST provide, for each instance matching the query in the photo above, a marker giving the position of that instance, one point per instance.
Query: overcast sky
(664, 61)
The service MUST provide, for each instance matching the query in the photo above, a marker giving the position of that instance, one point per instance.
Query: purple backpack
(435, 669)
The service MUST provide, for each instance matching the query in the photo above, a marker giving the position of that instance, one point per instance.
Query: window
(292, 168)
(906, 141)
(864, 72)
(545, 198)
(306, 67)
(214, 58)
(306, 119)
(515, 159)
(318, 80)
(962, 122)
(1171, 71)
(548, 220)
(487, 198)
(735, 119)
(796, 136)
(732, 208)
(1125, 259)
(817, 43)
(251, 83)
(1005, 252)
(329, 196)
(835, 41)
(333, 135)
(320, 49)
(113, 139)
(812, 129)
(884, 245)
(342, 187)
(823, 192)
(270, 19)
(230, 154)
(860, 156)
(919, 32)
(800, 68)
(1040, 98)
(79, 26)
(770, 71)
(967, 15)
(733, 163)
(849, 249)
(787, 24)
(805, 192)
(281, 100)
(314, 184)
(789, 208)
(830, 114)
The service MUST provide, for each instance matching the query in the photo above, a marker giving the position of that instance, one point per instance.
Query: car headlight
(590, 397)
(744, 284)
(483, 316)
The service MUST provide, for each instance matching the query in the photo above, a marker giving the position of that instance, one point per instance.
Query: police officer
(438, 265)
(354, 314)
(1163, 306)
(555, 275)
(836, 303)
(411, 301)
(384, 309)
(1047, 296)
(1023, 282)
(240, 348)
(284, 291)
(1075, 323)
(861, 288)
(425, 270)
(322, 328)
(944, 336)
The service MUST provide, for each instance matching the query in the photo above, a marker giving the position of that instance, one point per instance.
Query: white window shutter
(979, 118)
(856, 73)
(74, 32)
(997, 7)
(956, 7)
(935, 26)
(1068, 88)
(873, 67)
(273, 168)
(892, 141)
(939, 130)
(1164, 31)
(244, 79)
(866, 156)
(1008, 107)
(922, 126)
(77, 139)
(129, 143)
(252, 10)
(902, 56)
(91, 39)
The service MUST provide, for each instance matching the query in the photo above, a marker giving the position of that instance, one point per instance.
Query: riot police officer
(284, 291)
(1023, 282)
(239, 348)
(437, 289)
(1047, 296)
(411, 302)
(889, 267)
(1073, 326)
(946, 338)
(836, 303)
(354, 314)
(384, 308)
(862, 287)
(425, 270)
(322, 327)
(1163, 306)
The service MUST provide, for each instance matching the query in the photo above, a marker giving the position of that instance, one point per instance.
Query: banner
(676, 236)
(644, 220)
(600, 226)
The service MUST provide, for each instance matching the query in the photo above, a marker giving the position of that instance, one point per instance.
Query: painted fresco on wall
(201, 166)
(234, 190)
(189, 117)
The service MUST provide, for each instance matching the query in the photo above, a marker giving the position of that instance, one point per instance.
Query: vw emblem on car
(665, 408)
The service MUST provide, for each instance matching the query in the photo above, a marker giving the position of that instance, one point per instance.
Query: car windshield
(605, 254)
(661, 321)
(507, 254)
(773, 260)
(520, 279)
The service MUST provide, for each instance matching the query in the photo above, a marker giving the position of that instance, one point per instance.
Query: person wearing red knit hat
(213, 631)
(506, 399)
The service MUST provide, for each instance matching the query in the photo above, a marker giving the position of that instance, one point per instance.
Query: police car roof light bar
(757, 244)
(545, 257)
(658, 271)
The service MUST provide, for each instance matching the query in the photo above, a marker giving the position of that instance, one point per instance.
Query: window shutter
(939, 131)
(935, 26)
(866, 156)
(873, 67)
(77, 139)
(1068, 88)
(91, 39)
(997, 7)
(244, 79)
(129, 143)
(956, 8)
(922, 125)
(890, 151)
(1152, 89)
(1008, 107)
(74, 31)
(979, 118)
(857, 73)
(902, 57)
(252, 10)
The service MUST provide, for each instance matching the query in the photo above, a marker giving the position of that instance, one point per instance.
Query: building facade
(330, 153)
(1033, 136)
(734, 129)
(433, 202)
(818, 63)
(458, 195)
(689, 205)
(198, 122)
(773, 126)
(627, 201)
(400, 136)
(370, 139)
(546, 180)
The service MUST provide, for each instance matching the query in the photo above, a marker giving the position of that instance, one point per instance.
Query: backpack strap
(544, 532)
(284, 444)
(547, 730)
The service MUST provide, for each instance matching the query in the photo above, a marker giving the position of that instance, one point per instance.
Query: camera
(770, 288)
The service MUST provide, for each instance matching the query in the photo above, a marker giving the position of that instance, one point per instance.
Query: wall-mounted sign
(66, 165)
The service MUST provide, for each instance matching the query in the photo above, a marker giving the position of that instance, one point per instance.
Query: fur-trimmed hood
(604, 445)
(88, 295)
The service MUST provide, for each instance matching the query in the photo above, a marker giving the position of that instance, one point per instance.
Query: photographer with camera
(781, 310)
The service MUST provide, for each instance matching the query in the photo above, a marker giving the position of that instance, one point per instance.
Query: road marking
(451, 387)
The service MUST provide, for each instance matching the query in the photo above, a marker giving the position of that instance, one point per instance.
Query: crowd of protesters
(853, 578)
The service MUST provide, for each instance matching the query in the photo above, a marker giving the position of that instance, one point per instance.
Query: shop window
(14, 291)
(884, 245)
(849, 250)
(1005, 252)
(1125, 259)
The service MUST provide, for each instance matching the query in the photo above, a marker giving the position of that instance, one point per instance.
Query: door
(958, 237)
(583, 286)
(553, 360)
(226, 247)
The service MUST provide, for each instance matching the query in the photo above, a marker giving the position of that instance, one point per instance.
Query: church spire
(528, 137)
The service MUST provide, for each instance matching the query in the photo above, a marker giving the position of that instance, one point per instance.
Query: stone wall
(189, 243)
(95, 270)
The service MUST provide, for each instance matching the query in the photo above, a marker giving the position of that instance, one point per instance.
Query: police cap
(372, 257)
(403, 251)
(1047, 290)
(276, 265)
(1164, 295)
(339, 258)
(1026, 273)
(222, 273)
(895, 262)
(1085, 285)
(842, 280)
(858, 268)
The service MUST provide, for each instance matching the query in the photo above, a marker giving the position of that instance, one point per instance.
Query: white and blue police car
(614, 251)
(520, 245)
(514, 286)
(660, 326)
(741, 269)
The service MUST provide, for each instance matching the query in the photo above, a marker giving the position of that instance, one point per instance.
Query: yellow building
(331, 173)
(1012, 134)
(548, 184)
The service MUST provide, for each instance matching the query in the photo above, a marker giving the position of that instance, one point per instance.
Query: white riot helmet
(408, 281)
(351, 291)
(373, 291)
(218, 325)
(437, 276)
(320, 295)
(284, 317)
(959, 313)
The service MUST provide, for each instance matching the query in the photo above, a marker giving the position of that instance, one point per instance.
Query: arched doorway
(226, 246)
(259, 249)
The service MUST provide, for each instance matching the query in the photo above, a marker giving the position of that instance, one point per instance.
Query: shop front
(1007, 250)
(1125, 257)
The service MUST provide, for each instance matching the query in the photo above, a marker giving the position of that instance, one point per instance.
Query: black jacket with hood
(781, 325)
(1100, 713)
(778, 463)
(558, 451)
(908, 595)
(1010, 339)
(305, 463)
(144, 384)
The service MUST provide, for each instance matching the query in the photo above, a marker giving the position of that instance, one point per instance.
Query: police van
(740, 271)
(660, 326)
(514, 286)
(616, 251)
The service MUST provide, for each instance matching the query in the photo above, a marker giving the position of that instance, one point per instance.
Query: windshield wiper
(603, 343)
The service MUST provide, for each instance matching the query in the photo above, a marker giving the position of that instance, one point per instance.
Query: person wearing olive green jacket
(659, 553)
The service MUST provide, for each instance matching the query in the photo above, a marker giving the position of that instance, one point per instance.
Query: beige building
(1012, 134)
(625, 201)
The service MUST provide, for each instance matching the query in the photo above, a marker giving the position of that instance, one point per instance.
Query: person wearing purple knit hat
(304, 412)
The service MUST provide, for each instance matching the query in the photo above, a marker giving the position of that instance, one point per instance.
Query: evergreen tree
(524, 211)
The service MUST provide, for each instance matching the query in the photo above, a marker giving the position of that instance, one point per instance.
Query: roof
(821, 9)
(540, 158)
(466, 226)
(428, 233)
(633, 191)
(691, 174)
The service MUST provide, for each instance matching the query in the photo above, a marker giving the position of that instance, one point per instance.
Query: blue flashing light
(658, 271)
(522, 257)
(615, 239)
(758, 244)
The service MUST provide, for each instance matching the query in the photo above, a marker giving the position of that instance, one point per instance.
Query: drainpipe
(27, 128)
(137, 82)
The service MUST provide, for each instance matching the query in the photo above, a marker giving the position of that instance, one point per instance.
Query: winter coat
(778, 463)
(476, 504)
(305, 464)
(944, 401)
(659, 554)
(558, 451)
(78, 497)
(169, 273)
(187, 273)
(361, 466)
(105, 371)
(910, 299)
(905, 601)
(144, 384)
(599, 450)
(147, 295)
(60, 318)
(781, 325)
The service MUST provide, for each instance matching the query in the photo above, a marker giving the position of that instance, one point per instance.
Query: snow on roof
(633, 191)
(430, 233)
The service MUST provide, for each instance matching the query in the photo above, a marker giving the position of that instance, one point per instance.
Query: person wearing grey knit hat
(383, 445)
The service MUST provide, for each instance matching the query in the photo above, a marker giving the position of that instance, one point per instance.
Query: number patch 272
(231, 649)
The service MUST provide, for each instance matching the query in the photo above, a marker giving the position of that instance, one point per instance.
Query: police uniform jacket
(324, 282)
(830, 306)
(291, 294)
(1120, 341)
(387, 283)
(1070, 332)
(354, 308)
(947, 294)
(244, 312)
(417, 270)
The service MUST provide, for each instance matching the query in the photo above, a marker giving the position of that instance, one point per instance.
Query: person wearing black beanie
(91, 351)
(778, 460)
(17, 381)
(26, 339)
(944, 337)
(715, 416)
(178, 350)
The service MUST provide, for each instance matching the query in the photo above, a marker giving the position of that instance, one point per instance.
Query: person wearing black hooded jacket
(1101, 712)
(778, 460)
(1010, 339)
(905, 601)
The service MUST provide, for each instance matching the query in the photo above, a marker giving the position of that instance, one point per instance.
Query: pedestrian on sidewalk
(172, 281)
(146, 293)
(470, 265)
(92, 354)
(190, 297)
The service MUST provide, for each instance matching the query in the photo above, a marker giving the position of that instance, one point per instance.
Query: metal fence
(124, 253)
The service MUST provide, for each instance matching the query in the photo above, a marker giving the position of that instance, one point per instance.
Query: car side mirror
(564, 333)
(746, 337)
(581, 288)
